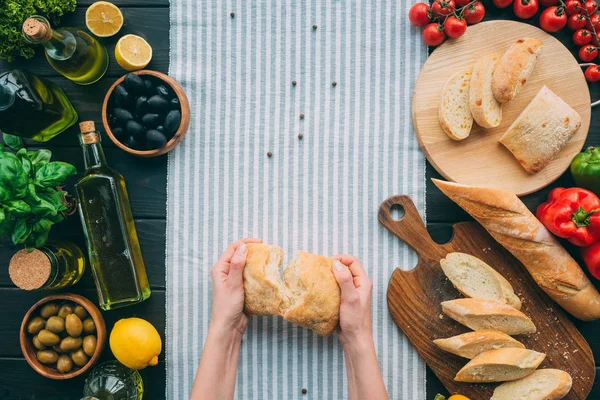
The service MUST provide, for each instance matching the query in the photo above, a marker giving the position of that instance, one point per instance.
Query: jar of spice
(56, 265)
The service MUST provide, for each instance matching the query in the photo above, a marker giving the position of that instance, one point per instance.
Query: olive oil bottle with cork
(113, 248)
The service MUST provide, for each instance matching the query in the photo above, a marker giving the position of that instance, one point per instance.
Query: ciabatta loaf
(514, 68)
(480, 314)
(511, 223)
(500, 366)
(471, 344)
(541, 131)
(487, 112)
(474, 278)
(454, 112)
(543, 384)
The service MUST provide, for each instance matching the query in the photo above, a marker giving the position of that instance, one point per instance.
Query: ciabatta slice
(543, 384)
(471, 344)
(454, 110)
(486, 110)
(500, 365)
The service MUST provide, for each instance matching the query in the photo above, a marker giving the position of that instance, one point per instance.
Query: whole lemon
(458, 397)
(135, 343)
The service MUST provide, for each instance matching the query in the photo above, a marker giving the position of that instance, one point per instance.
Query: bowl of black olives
(146, 113)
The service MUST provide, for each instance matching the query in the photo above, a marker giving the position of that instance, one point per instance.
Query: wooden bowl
(29, 351)
(183, 126)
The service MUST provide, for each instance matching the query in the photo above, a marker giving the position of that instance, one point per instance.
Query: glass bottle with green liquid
(70, 51)
(113, 248)
(113, 381)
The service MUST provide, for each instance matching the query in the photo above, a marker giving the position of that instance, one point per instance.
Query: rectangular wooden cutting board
(414, 299)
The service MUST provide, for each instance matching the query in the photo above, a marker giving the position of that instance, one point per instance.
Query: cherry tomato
(595, 40)
(582, 37)
(576, 21)
(433, 34)
(502, 3)
(441, 8)
(553, 19)
(461, 3)
(588, 53)
(525, 9)
(592, 73)
(474, 13)
(419, 14)
(574, 7)
(593, 21)
(548, 3)
(591, 6)
(454, 27)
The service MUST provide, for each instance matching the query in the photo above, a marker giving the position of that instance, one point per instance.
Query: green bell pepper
(585, 169)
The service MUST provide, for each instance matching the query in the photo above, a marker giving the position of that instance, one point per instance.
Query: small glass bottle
(56, 265)
(113, 381)
(70, 51)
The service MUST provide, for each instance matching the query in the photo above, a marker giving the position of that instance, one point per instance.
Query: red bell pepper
(572, 214)
(591, 257)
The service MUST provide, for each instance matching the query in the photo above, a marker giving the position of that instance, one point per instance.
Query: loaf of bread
(514, 68)
(474, 278)
(543, 384)
(480, 314)
(310, 296)
(454, 112)
(500, 365)
(541, 131)
(471, 344)
(509, 221)
(486, 111)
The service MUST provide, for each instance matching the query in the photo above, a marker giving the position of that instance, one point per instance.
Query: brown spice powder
(29, 270)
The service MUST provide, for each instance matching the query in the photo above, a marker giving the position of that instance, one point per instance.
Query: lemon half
(133, 52)
(103, 19)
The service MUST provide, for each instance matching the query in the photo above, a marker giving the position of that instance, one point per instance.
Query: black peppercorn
(315, 27)
(334, 83)
(269, 154)
(294, 83)
(301, 116)
(232, 14)
(300, 136)
(304, 391)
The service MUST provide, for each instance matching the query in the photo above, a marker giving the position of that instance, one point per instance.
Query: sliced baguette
(454, 111)
(487, 112)
(479, 314)
(471, 344)
(474, 278)
(543, 384)
(500, 365)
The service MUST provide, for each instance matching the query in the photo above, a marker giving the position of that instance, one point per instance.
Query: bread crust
(514, 68)
(512, 225)
(513, 390)
(521, 362)
(263, 295)
(486, 111)
(471, 344)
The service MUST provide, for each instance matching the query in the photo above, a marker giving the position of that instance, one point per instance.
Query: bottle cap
(36, 29)
(29, 270)
(88, 133)
(87, 126)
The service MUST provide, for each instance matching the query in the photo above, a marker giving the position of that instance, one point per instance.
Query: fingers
(345, 281)
(228, 253)
(238, 261)
(361, 279)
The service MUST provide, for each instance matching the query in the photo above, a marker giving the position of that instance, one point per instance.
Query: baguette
(500, 366)
(474, 278)
(543, 384)
(514, 68)
(511, 223)
(454, 112)
(480, 314)
(471, 344)
(487, 112)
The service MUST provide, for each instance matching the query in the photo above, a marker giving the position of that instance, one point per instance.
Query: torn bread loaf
(454, 112)
(541, 131)
(500, 365)
(474, 278)
(471, 344)
(486, 111)
(310, 295)
(480, 314)
(543, 384)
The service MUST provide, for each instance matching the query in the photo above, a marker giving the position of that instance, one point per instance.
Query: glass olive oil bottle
(113, 248)
(70, 51)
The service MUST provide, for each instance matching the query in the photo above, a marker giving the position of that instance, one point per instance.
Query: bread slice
(543, 384)
(500, 365)
(487, 112)
(514, 68)
(474, 278)
(541, 131)
(471, 344)
(480, 314)
(454, 111)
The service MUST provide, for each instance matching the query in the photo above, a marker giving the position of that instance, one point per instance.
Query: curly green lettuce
(15, 12)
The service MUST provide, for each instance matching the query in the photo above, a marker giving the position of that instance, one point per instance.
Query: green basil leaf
(2, 217)
(44, 208)
(12, 141)
(41, 239)
(43, 225)
(53, 174)
(21, 232)
(39, 157)
(32, 196)
(12, 176)
(55, 218)
(18, 208)
(26, 162)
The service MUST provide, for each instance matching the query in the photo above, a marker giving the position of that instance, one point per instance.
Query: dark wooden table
(146, 180)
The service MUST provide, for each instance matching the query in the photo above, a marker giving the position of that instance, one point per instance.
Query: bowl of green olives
(62, 336)
(146, 113)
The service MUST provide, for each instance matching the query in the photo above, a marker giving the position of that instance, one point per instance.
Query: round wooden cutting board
(480, 160)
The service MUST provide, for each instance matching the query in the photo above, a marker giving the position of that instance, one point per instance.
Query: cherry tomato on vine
(588, 53)
(419, 14)
(433, 34)
(474, 13)
(454, 27)
(592, 73)
(502, 3)
(553, 19)
(574, 7)
(595, 40)
(593, 21)
(591, 6)
(582, 37)
(441, 8)
(461, 3)
(525, 9)
(576, 21)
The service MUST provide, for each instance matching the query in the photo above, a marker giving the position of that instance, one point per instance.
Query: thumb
(343, 276)
(238, 261)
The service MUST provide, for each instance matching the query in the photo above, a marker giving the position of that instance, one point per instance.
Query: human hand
(356, 294)
(228, 288)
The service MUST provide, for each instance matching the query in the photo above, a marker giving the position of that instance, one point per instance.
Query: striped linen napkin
(320, 193)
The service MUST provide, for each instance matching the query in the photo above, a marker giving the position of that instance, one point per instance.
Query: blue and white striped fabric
(320, 193)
